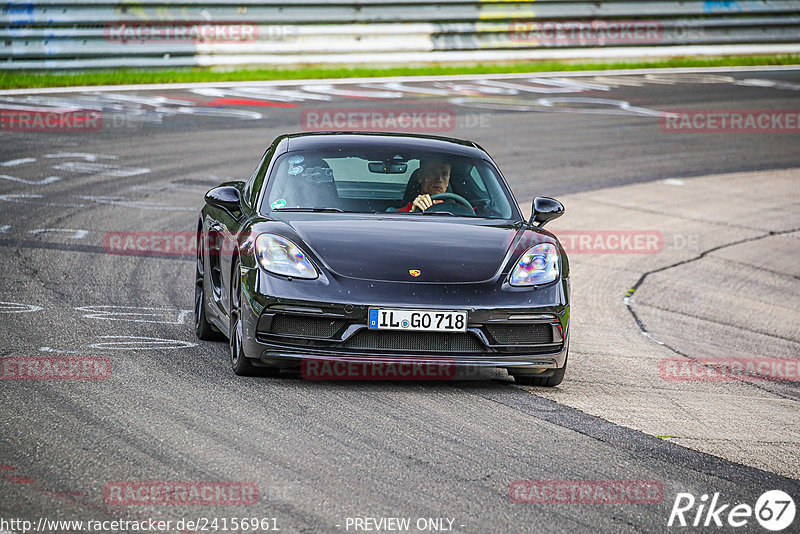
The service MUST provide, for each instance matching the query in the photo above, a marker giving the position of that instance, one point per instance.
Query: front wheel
(554, 379)
(241, 364)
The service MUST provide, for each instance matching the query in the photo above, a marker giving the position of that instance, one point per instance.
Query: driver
(434, 177)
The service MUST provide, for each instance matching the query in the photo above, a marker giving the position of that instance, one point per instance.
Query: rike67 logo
(774, 510)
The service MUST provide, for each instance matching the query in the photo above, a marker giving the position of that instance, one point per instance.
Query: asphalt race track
(445, 454)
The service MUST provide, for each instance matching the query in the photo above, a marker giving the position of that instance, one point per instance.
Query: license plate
(423, 320)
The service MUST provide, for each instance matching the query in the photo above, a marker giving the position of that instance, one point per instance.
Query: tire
(541, 381)
(241, 364)
(202, 327)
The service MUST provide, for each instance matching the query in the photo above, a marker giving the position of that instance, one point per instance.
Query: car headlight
(539, 265)
(278, 255)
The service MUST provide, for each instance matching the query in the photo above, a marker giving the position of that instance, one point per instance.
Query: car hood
(391, 248)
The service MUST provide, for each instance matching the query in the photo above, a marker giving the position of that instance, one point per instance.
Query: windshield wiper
(310, 209)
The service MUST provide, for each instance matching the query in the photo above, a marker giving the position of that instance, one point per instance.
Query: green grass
(15, 80)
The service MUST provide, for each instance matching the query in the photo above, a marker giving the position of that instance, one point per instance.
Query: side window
(248, 188)
(256, 180)
(477, 179)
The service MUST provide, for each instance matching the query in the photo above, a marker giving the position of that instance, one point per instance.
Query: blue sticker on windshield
(295, 170)
(278, 204)
(294, 160)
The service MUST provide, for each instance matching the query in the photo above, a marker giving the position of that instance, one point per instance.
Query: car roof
(315, 140)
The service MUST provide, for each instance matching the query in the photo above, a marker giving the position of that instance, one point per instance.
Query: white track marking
(153, 101)
(87, 157)
(140, 343)
(672, 79)
(461, 88)
(261, 93)
(25, 198)
(281, 95)
(44, 181)
(15, 162)
(548, 85)
(330, 89)
(50, 105)
(176, 187)
(162, 104)
(609, 106)
(615, 107)
(518, 87)
(619, 81)
(107, 169)
(774, 84)
(211, 111)
(118, 201)
(575, 84)
(16, 307)
(76, 234)
(135, 314)
(59, 351)
(404, 88)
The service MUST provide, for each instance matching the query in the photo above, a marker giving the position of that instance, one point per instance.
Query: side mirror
(545, 209)
(226, 197)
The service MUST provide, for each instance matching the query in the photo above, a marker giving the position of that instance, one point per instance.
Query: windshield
(353, 180)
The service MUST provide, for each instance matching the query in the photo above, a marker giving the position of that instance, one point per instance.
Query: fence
(72, 34)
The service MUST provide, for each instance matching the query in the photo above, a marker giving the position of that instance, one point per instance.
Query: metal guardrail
(72, 34)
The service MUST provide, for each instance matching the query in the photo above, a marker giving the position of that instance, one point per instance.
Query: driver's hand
(423, 202)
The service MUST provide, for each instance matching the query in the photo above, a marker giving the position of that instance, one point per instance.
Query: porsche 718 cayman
(320, 256)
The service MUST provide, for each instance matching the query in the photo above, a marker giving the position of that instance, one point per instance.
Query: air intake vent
(299, 325)
(414, 341)
(520, 334)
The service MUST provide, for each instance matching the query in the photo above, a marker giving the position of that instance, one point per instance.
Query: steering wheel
(449, 196)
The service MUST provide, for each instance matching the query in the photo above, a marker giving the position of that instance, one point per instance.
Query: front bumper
(286, 322)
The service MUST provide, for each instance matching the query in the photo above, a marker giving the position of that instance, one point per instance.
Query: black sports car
(321, 256)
